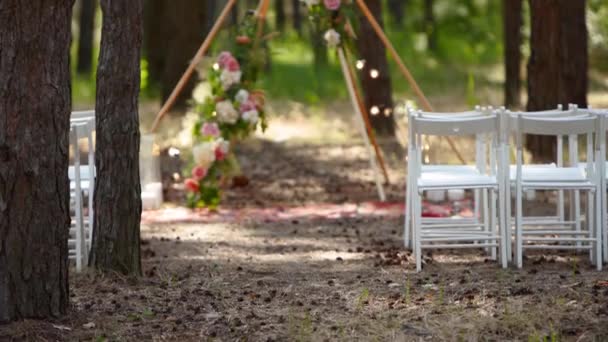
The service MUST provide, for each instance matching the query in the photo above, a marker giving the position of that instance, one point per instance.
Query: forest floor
(305, 253)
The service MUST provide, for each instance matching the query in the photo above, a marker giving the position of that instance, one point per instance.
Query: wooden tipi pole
(192, 67)
(365, 115)
(404, 70)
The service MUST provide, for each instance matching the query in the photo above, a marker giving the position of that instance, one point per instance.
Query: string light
(360, 64)
(374, 73)
(375, 110)
(387, 111)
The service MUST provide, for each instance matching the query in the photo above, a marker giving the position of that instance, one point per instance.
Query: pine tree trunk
(377, 90)
(397, 11)
(430, 25)
(34, 144)
(85, 38)
(297, 16)
(117, 190)
(279, 9)
(512, 22)
(557, 69)
(155, 42)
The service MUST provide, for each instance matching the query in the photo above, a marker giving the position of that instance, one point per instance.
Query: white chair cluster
(82, 186)
(493, 179)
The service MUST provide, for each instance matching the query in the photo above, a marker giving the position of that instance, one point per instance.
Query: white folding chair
(434, 235)
(445, 168)
(601, 160)
(82, 182)
(537, 236)
(534, 171)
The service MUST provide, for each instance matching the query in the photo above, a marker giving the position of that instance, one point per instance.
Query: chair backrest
(554, 126)
(454, 127)
(82, 114)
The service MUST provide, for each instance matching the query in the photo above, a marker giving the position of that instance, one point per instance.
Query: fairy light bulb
(374, 73)
(216, 67)
(388, 111)
(360, 64)
(375, 110)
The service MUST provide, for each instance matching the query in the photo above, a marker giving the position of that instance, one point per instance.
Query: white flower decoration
(222, 145)
(230, 78)
(204, 154)
(200, 92)
(242, 96)
(332, 37)
(251, 116)
(226, 112)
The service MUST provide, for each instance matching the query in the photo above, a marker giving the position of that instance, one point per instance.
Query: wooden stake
(192, 67)
(404, 70)
(366, 120)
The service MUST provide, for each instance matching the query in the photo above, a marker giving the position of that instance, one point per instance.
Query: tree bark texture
(34, 151)
(397, 11)
(279, 9)
(297, 15)
(174, 32)
(117, 190)
(557, 69)
(512, 23)
(376, 87)
(430, 24)
(86, 37)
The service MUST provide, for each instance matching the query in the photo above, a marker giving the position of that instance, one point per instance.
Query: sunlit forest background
(455, 50)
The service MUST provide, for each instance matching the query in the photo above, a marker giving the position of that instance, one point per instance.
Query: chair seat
(84, 172)
(458, 180)
(549, 173)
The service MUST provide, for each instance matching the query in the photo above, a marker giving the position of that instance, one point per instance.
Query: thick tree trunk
(397, 11)
(34, 144)
(297, 15)
(279, 11)
(174, 32)
(375, 78)
(557, 69)
(118, 190)
(512, 22)
(85, 38)
(430, 25)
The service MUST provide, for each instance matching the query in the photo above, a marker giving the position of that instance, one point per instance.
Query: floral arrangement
(334, 18)
(232, 111)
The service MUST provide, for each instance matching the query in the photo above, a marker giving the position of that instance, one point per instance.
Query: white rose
(204, 154)
(242, 96)
(332, 38)
(229, 78)
(200, 92)
(226, 112)
(222, 145)
(310, 3)
(251, 116)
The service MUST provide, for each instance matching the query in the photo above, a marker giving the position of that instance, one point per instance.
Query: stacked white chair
(534, 171)
(428, 170)
(82, 185)
(428, 234)
(603, 116)
(536, 235)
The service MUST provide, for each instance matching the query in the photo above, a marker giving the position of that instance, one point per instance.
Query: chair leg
(598, 229)
(518, 229)
(508, 223)
(493, 229)
(418, 231)
(577, 213)
(486, 215)
(407, 225)
(590, 223)
(604, 220)
(502, 227)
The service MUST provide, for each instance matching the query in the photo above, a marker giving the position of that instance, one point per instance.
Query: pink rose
(210, 130)
(199, 173)
(232, 64)
(191, 185)
(219, 154)
(247, 106)
(332, 5)
(223, 58)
